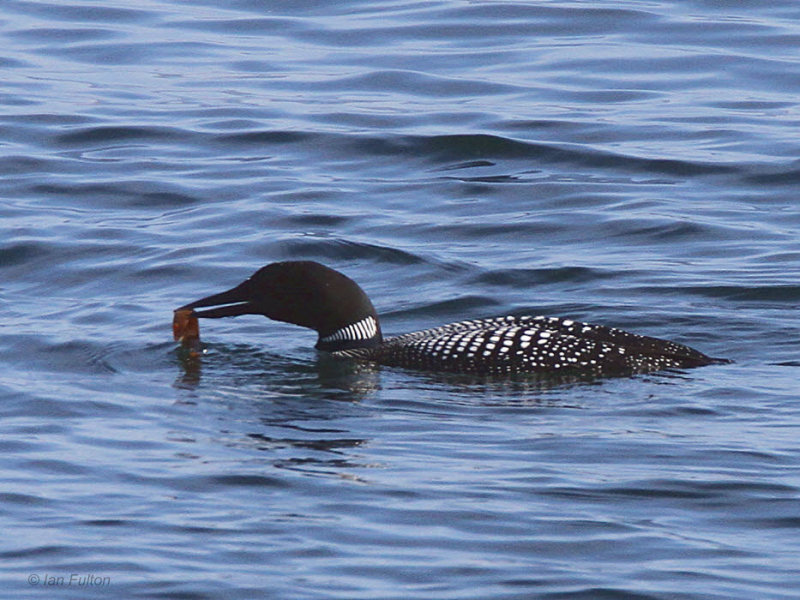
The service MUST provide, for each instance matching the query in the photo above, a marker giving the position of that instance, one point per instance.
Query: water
(628, 163)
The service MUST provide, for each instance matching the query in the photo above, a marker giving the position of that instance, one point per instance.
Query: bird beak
(231, 303)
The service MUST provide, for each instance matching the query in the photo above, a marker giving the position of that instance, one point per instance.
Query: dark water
(628, 163)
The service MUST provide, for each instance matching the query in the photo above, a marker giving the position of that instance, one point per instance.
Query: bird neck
(360, 333)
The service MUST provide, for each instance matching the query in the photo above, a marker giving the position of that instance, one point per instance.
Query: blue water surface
(630, 163)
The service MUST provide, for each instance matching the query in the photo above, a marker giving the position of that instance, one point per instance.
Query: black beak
(232, 303)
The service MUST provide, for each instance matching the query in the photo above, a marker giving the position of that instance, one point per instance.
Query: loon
(312, 295)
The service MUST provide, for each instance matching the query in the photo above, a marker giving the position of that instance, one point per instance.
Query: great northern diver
(312, 295)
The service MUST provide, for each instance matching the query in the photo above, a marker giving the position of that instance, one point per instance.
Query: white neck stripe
(364, 329)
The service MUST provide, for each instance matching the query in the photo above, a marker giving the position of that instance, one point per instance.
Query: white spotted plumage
(507, 345)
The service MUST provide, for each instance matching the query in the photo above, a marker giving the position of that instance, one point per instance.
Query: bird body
(312, 295)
